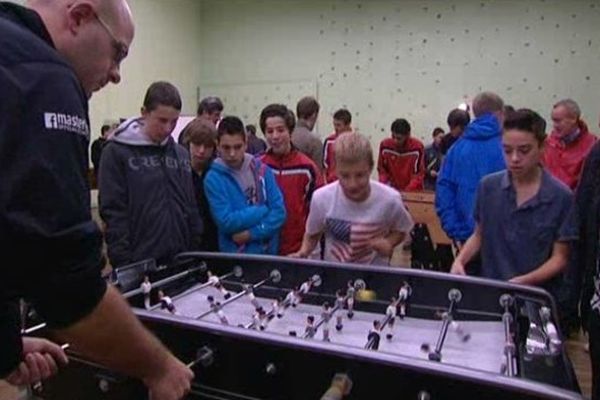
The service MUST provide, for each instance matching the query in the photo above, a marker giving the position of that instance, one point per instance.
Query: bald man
(53, 56)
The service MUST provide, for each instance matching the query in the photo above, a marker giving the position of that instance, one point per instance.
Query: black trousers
(594, 335)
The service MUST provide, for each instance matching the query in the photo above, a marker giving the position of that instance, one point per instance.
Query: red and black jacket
(298, 177)
(402, 167)
(329, 158)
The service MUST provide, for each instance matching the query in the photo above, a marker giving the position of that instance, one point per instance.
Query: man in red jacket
(569, 143)
(401, 159)
(296, 174)
(341, 123)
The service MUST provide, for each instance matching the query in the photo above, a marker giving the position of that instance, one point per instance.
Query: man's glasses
(121, 49)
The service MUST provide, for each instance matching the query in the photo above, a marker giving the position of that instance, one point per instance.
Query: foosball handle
(204, 356)
(341, 385)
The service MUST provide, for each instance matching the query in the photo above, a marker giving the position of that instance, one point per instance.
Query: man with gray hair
(569, 143)
(53, 56)
(476, 154)
(565, 152)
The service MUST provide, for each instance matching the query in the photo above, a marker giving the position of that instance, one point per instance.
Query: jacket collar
(27, 18)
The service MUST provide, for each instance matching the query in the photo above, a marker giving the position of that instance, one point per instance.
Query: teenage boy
(525, 218)
(201, 140)
(341, 123)
(296, 174)
(476, 154)
(363, 220)
(244, 199)
(401, 159)
(146, 193)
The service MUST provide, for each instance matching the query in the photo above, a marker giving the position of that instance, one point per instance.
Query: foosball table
(260, 327)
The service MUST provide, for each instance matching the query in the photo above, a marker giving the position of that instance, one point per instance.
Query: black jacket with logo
(147, 197)
(50, 245)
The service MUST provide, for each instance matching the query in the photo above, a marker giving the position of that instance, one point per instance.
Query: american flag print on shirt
(351, 240)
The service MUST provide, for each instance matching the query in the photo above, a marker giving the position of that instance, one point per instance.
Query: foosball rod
(204, 285)
(274, 276)
(163, 282)
(33, 329)
(180, 295)
(454, 295)
(506, 301)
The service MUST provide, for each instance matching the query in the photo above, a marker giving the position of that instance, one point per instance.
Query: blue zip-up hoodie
(232, 213)
(476, 154)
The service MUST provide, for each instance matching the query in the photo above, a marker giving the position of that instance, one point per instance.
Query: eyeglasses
(121, 49)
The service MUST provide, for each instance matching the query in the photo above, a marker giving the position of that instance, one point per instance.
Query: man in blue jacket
(244, 198)
(476, 154)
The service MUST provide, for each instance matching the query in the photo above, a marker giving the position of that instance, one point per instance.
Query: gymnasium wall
(166, 47)
(380, 59)
(388, 59)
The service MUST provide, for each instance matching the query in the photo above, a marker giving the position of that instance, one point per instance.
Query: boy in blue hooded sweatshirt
(243, 196)
(476, 154)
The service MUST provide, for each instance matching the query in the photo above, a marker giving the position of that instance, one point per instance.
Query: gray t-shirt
(245, 178)
(350, 225)
(308, 143)
(518, 240)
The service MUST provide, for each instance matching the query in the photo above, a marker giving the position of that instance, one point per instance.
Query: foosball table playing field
(259, 327)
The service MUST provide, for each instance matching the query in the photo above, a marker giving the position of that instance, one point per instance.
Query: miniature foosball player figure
(340, 300)
(215, 306)
(216, 283)
(292, 298)
(146, 289)
(276, 308)
(350, 294)
(326, 316)
(404, 294)
(375, 334)
(221, 314)
(260, 320)
(250, 290)
(304, 289)
(391, 312)
(310, 329)
(457, 327)
(166, 302)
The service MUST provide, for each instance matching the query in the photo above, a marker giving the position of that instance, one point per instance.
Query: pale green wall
(381, 59)
(388, 59)
(166, 47)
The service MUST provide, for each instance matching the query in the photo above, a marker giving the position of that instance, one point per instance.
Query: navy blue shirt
(518, 240)
(45, 217)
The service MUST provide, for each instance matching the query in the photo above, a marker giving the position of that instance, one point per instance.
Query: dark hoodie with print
(146, 197)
